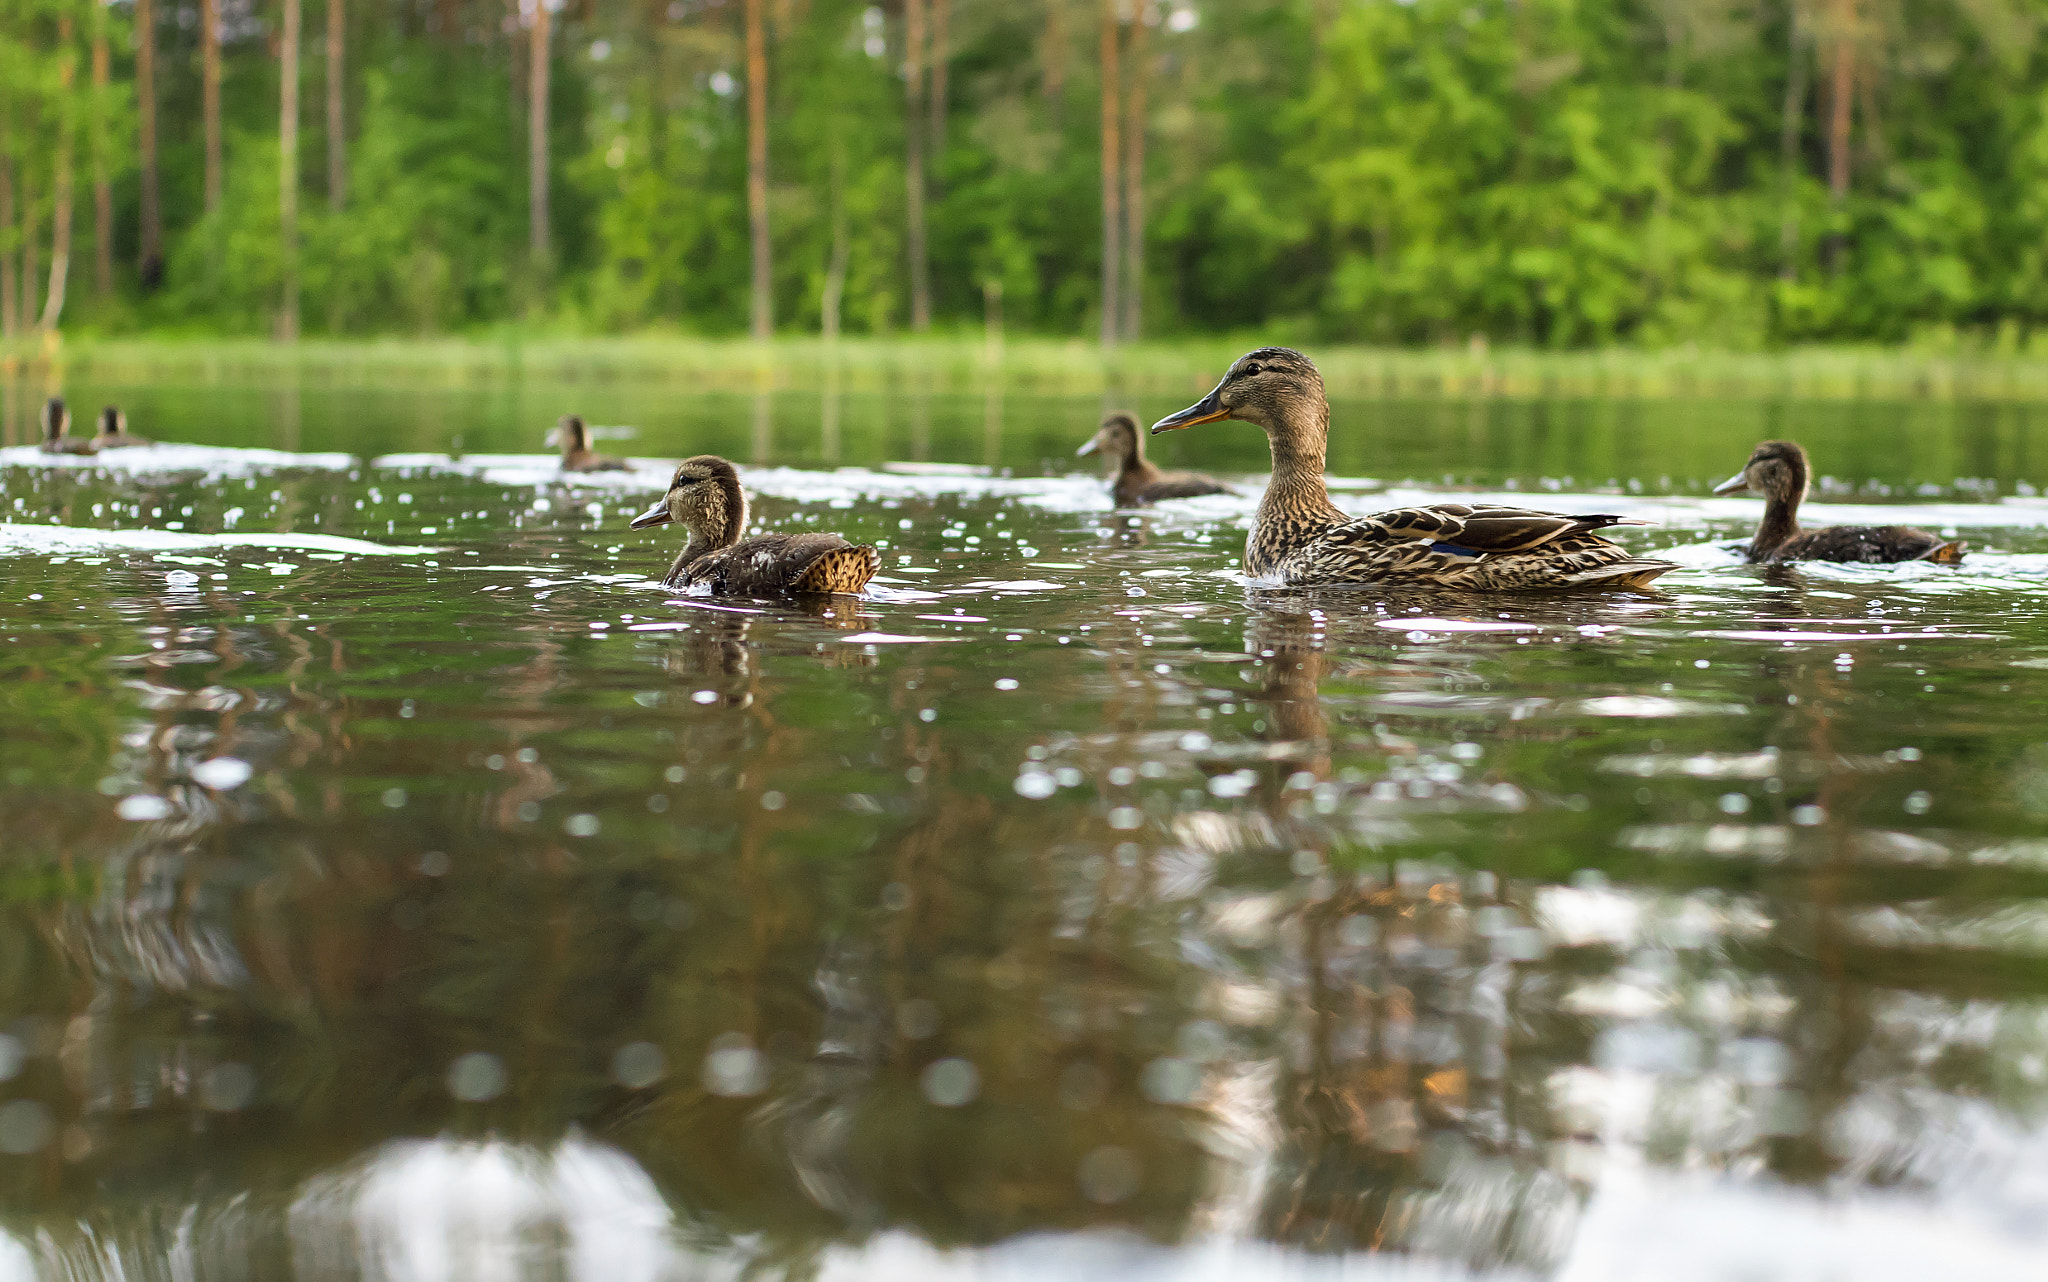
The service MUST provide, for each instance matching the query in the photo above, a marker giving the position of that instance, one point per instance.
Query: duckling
(57, 428)
(1301, 539)
(114, 433)
(573, 435)
(706, 499)
(1137, 482)
(1778, 470)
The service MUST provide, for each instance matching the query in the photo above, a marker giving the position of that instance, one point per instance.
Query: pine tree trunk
(942, 13)
(1112, 176)
(842, 249)
(537, 139)
(913, 175)
(1788, 145)
(60, 220)
(1133, 283)
(10, 314)
(337, 136)
(150, 256)
(288, 173)
(209, 74)
(763, 320)
(102, 185)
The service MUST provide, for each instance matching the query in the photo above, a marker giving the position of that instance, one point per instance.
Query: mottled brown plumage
(57, 428)
(706, 499)
(1137, 482)
(1301, 539)
(114, 433)
(573, 435)
(1778, 470)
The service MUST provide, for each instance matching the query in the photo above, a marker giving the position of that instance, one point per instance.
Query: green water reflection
(1081, 891)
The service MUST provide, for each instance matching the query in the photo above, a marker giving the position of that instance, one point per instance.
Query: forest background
(1555, 174)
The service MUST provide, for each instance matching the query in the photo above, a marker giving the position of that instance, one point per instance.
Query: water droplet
(143, 807)
(227, 1088)
(222, 774)
(581, 825)
(394, 798)
(772, 800)
(638, 1065)
(476, 1077)
(733, 1068)
(951, 1082)
(1734, 803)
(1109, 1174)
(1125, 818)
(1168, 1080)
(25, 1126)
(1036, 785)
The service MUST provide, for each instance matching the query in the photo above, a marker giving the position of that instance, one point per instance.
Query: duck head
(1117, 438)
(113, 422)
(571, 433)
(706, 499)
(1776, 470)
(56, 418)
(1272, 387)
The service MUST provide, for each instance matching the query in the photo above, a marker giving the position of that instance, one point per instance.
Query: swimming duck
(114, 433)
(1778, 471)
(706, 499)
(573, 435)
(1137, 482)
(57, 428)
(1300, 538)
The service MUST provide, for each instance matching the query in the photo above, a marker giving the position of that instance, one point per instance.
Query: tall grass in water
(969, 363)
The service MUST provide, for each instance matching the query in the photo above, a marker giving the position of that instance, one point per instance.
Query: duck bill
(1734, 484)
(1089, 446)
(1207, 410)
(656, 515)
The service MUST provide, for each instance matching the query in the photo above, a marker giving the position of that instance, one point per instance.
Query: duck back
(1868, 545)
(1137, 491)
(775, 563)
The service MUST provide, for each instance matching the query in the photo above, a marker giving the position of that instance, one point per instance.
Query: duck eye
(1250, 370)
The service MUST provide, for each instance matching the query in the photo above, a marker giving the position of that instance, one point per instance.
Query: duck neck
(1780, 523)
(722, 530)
(1297, 503)
(1136, 467)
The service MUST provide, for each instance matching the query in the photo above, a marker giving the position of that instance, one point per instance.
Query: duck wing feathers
(777, 563)
(1171, 485)
(1478, 547)
(594, 463)
(1868, 545)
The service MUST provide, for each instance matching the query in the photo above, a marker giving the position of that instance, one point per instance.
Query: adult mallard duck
(573, 435)
(706, 499)
(1778, 470)
(1137, 482)
(114, 433)
(1299, 538)
(57, 428)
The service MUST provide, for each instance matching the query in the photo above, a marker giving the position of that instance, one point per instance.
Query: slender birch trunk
(102, 185)
(337, 135)
(149, 262)
(763, 320)
(209, 78)
(537, 138)
(1842, 93)
(1788, 144)
(27, 289)
(10, 314)
(1112, 176)
(288, 172)
(1133, 283)
(60, 216)
(913, 175)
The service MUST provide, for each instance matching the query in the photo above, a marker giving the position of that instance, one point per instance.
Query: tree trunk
(102, 186)
(1133, 283)
(763, 324)
(209, 74)
(337, 136)
(1788, 145)
(31, 267)
(1112, 176)
(913, 168)
(10, 314)
(942, 13)
(1843, 91)
(288, 173)
(1052, 56)
(842, 249)
(60, 218)
(537, 139)
(149, 263)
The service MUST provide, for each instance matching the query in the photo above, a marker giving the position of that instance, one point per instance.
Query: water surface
(399, 883)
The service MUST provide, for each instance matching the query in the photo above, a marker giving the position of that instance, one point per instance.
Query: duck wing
(1467, 546)
(1485, 529)
(1180, 485)
(1869, 545)
(777, 563)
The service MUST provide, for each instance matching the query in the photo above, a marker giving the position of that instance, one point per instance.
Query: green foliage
(1548, 173)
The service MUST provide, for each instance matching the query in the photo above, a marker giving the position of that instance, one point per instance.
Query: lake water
(399, 883)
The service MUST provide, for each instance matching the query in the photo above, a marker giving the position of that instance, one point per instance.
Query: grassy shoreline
(1025, 365)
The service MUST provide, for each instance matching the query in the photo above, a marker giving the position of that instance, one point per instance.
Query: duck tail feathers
(1619, 574)
(1949, 553)
(846, 569)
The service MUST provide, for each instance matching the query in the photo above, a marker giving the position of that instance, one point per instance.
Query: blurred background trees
(1554, 173)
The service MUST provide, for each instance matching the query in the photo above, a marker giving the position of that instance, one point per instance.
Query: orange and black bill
(1207, 410)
